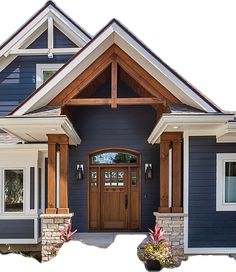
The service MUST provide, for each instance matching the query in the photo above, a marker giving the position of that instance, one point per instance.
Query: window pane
(13, 190)
(47, 75)
(230, 182)
(114, 158)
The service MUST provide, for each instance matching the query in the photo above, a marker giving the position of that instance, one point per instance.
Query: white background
(196, 38)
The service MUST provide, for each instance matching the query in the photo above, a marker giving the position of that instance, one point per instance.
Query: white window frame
(40, 68)
(3, 190)
(221, 159)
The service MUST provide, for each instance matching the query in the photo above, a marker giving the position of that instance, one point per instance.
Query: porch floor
(101, 239)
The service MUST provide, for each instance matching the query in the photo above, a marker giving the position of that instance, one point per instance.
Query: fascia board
(27, 121)
(186, 91)
(63, 22)
(185, 120)
(69, 73)
(9, 123)
(41, 147)
(26, 32)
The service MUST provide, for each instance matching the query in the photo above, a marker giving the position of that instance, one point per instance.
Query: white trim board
(113, 34)
(211, 250)
(19, 126)
(40, 68)
(221, 159)
(200, 123)
(47, 17)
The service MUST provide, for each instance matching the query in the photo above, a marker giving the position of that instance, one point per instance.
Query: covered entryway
(114, 190)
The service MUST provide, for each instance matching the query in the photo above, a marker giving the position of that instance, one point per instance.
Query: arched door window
(114, 157)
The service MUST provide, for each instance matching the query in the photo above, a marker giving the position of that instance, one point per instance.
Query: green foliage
(155, 247)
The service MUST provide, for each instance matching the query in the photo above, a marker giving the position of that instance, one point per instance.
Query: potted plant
(67, 234)
(155, 252)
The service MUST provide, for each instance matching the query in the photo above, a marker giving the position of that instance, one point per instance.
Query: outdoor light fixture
(79, 171)
(148, 171)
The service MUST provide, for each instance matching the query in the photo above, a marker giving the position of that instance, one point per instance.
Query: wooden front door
(114, 198)
(114, 191)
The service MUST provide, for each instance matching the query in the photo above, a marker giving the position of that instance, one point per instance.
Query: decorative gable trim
(47, 17)
(116, 33)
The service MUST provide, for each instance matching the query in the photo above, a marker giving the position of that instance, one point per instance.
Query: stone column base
(52, 225)
(173, 225)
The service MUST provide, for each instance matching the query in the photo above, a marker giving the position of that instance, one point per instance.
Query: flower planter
(152, 265)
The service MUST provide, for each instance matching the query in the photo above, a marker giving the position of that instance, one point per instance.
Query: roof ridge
(48, 3)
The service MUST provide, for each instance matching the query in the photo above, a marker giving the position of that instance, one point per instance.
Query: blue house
(100, 132)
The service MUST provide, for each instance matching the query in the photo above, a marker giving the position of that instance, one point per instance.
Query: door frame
(128, 166)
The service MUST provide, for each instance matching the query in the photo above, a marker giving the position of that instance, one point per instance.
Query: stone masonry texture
(173, 225)
(52, 225)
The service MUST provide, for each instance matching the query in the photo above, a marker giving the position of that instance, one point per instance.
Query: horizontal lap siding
(17, 229)
(18, 79)
(207, 227)
(103, 127)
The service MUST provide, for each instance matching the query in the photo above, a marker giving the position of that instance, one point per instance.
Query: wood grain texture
(164, 176)
(114, 215)
(83, 80)
(115, 57)
(64, 162)
(111, 101)
(177, 205)
(51, 177)
(114, 81)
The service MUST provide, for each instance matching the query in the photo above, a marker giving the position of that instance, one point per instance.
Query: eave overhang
(36, 129)
(197, 124)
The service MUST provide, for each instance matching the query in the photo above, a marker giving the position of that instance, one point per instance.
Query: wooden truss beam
(82, 81)
(112, 101)
(114, 81)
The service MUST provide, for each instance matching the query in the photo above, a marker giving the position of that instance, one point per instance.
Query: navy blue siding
(103, 127)
(60, 40)
(207, 227)
(16, 229)
(18, 79)
(32, 181)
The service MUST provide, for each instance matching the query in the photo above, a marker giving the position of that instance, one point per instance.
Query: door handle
(126, 201)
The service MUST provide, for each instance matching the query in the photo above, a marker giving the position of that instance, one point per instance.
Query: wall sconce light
(79, 171)
(148, 171)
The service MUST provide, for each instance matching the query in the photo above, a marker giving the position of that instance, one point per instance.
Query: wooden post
(177, 184)
(164, 176)
(63, 141)
(114, 81)
(51, 176)
(64, 162)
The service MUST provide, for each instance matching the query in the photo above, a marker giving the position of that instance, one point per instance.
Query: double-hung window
(226, 182)
(45, 71)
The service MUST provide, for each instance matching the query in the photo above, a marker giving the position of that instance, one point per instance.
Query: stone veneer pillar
(52, 225)
(173, 225)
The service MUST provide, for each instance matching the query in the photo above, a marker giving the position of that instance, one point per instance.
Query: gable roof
(35, 26)
(115, 33)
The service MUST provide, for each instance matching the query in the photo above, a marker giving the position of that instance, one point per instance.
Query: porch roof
(195, 123)
(36, 128)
